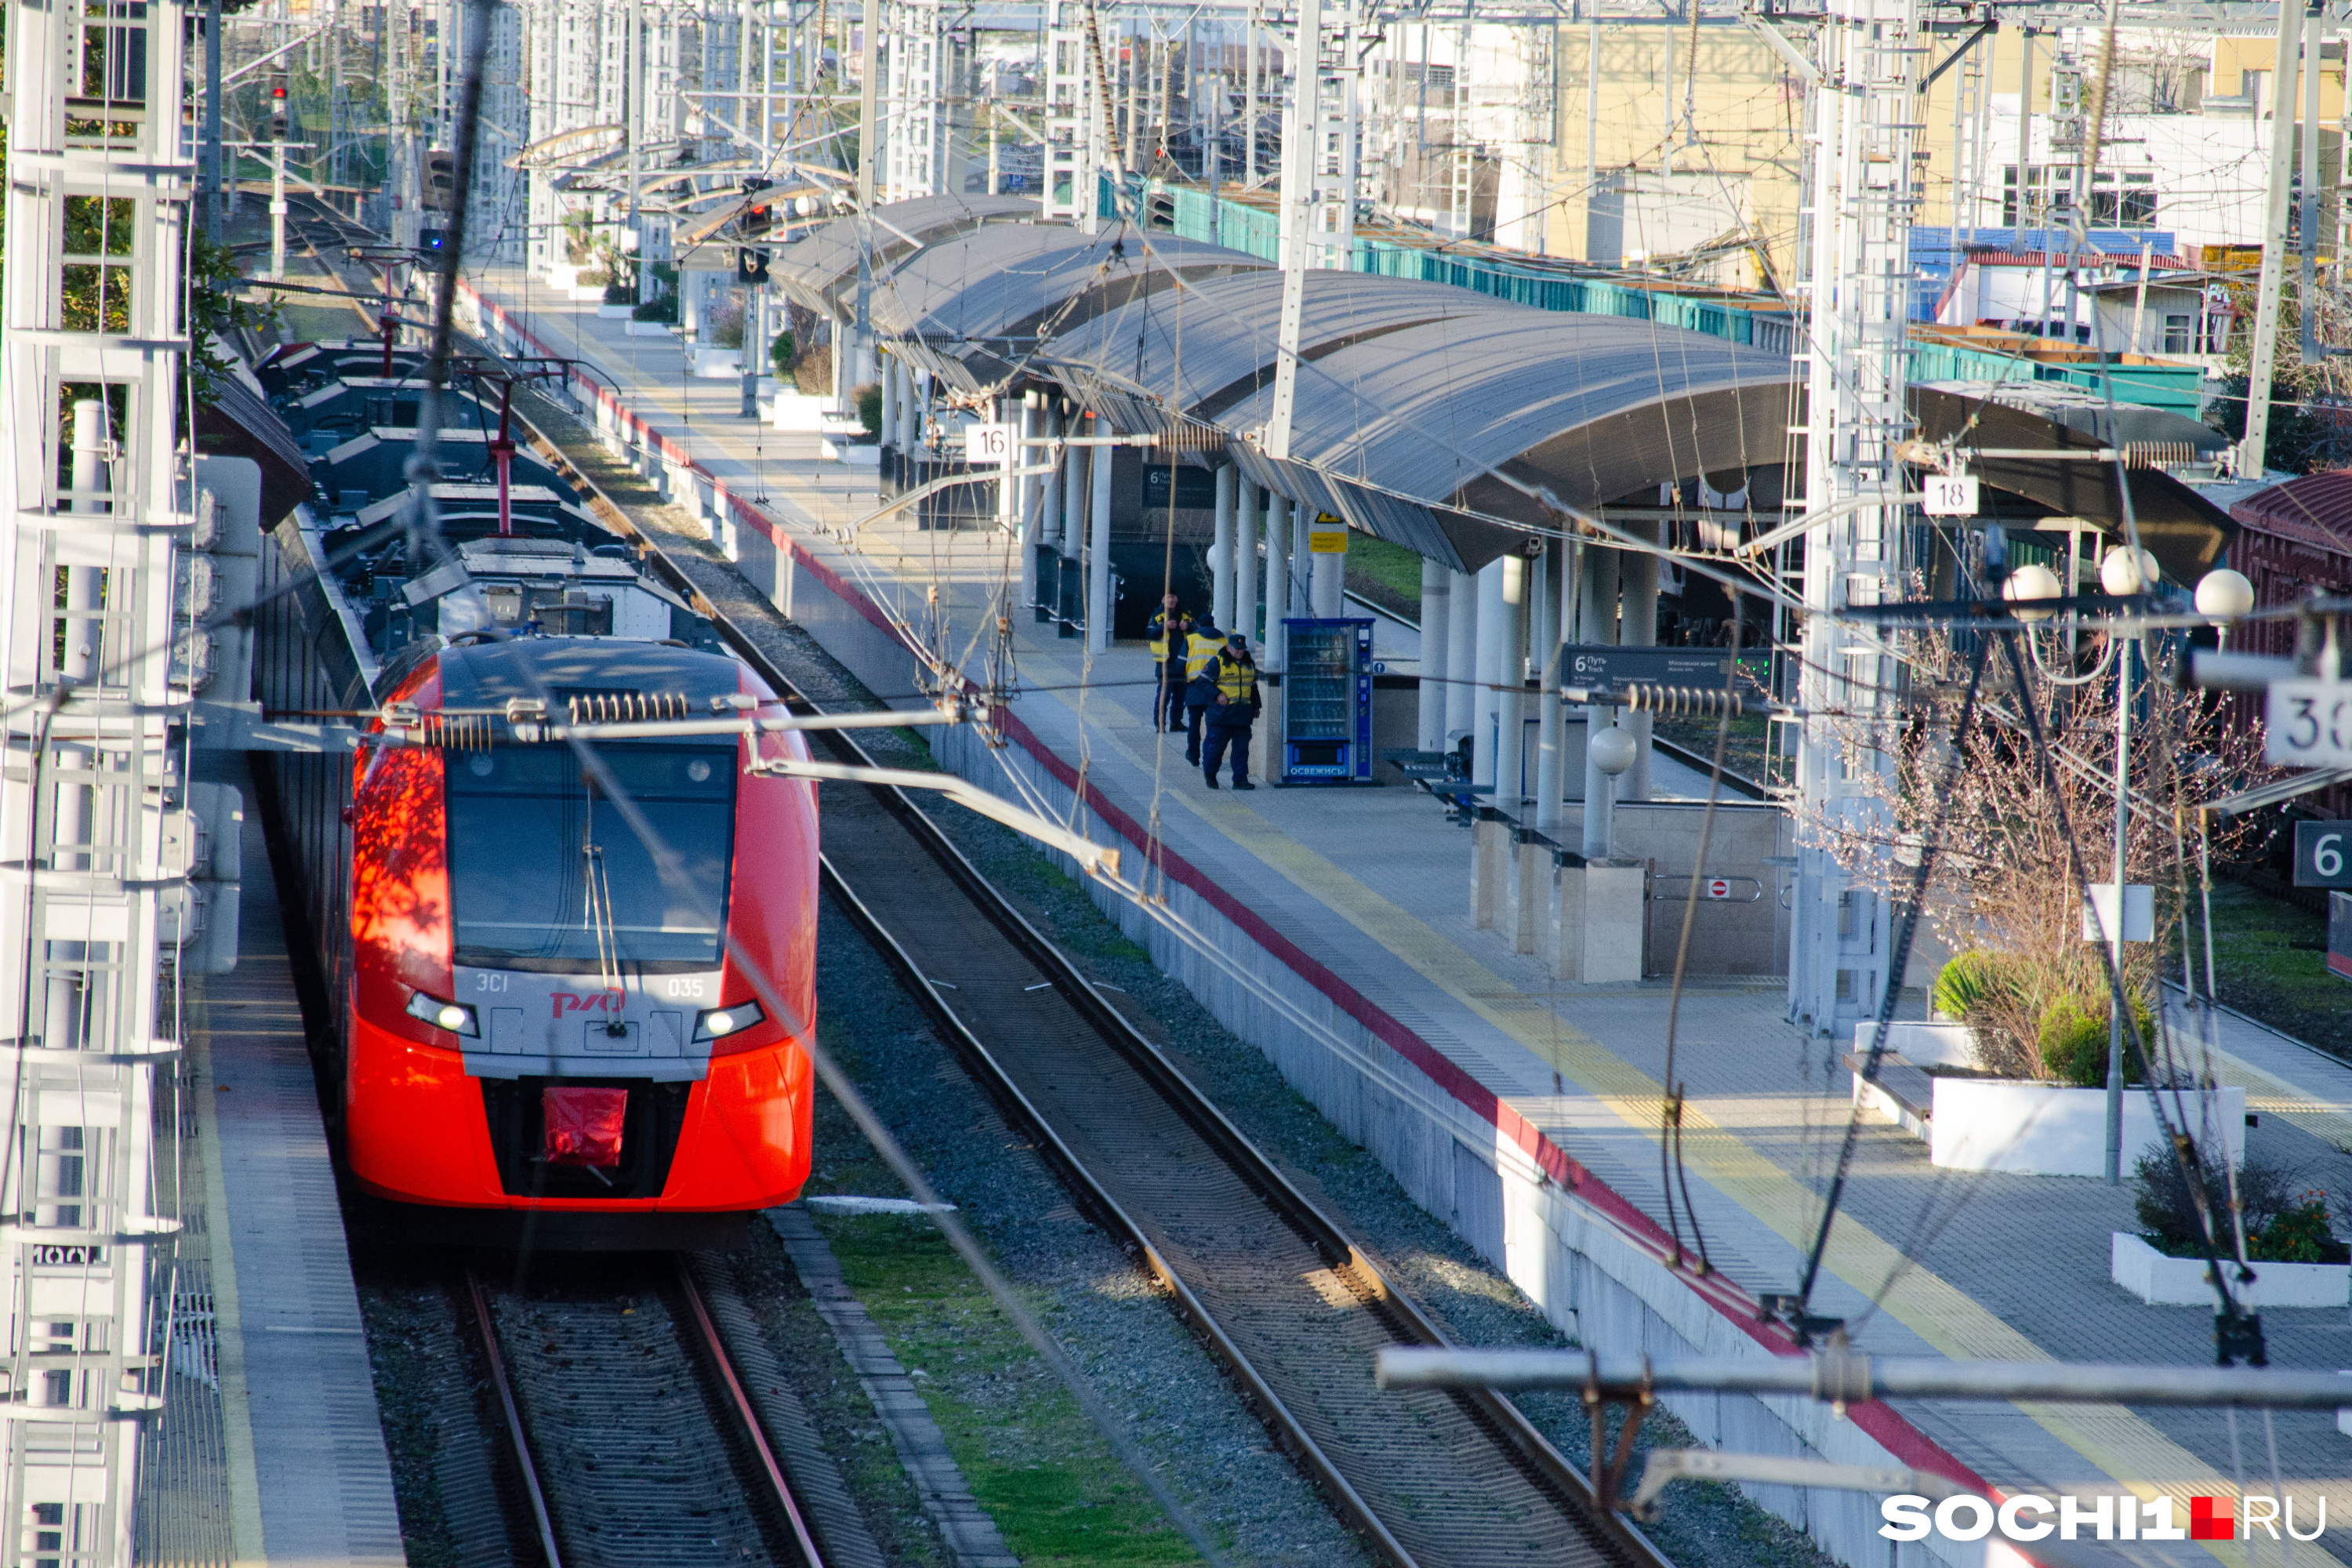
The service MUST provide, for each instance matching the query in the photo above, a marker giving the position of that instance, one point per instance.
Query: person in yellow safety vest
(1167, 627)
(1233, 676)
(1199, 649)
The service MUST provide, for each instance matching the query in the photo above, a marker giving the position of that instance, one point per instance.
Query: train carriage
(542, 964)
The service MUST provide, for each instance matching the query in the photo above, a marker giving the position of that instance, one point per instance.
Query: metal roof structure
(1415, 397)
(2187, 532)
(1437, 417)
(970, 309)
(817, 269)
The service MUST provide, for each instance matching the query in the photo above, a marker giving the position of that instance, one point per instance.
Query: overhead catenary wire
(681, 884)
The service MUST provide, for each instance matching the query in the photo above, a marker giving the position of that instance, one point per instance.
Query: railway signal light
(751, 263)
(280, 127)
(760, 211)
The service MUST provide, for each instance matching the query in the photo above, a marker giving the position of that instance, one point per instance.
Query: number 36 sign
(2323, 854)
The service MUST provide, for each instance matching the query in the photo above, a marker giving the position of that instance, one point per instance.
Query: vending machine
(1326, 702)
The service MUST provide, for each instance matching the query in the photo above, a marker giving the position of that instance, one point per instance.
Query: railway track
(631, 1436)
(1285, 1299)
(1280, 1293)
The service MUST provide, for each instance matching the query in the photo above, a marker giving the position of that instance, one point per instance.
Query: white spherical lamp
(1614, 751)
(2126, 571)
(2225, 595)
(805, 206)
(2028, 583)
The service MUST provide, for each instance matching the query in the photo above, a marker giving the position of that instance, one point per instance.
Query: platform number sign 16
(2308, 724)
(988, 444)
(2323, 854)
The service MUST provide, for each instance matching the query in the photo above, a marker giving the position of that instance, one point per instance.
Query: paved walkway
(310, 1481)
(1374, 884)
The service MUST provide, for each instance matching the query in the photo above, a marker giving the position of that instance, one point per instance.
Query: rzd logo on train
(591, 1002)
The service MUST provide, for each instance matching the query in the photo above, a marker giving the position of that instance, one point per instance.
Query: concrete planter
(857, 453)
(716, 365)
(563, 275)
(637, 329)
(1926, 1045)
(2043, 1130)
(2162, 1281)
(610, 312)
(805, 412)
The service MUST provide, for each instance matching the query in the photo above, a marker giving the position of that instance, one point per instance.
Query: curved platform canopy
(2186, 532)
(819, 270)
(971, 310)
(1421, 405)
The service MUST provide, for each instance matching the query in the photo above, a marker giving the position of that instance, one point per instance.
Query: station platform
(1334, 929)
(271, 1451)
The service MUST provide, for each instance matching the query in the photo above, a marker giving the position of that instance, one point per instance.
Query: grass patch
(1035, 1461)
(2262, 972)
(1388, 575)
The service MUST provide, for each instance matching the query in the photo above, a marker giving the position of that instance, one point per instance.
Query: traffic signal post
(279, 175)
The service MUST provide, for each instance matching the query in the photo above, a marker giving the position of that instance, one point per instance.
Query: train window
(545, 872)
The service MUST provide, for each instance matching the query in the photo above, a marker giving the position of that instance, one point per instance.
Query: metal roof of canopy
(1412, 392)
(1212, 344)
(2186, 532)
(816, 269)
(969, 308)
(1421, 403)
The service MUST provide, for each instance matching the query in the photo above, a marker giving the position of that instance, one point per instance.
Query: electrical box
(1326, 702)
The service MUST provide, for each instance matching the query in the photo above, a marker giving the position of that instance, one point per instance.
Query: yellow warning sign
(1328, 536)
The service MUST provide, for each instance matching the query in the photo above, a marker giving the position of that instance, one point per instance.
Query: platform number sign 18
(1949, 495)
(2323, 854)
(2308, 724)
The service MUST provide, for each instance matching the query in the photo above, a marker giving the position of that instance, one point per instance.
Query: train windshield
(546, 872)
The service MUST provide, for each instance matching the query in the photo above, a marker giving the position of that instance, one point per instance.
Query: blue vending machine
(1326, 702)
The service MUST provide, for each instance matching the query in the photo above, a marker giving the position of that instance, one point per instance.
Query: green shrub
(780, 354)
(1967, 980)
(2164, 1203)
(621, 291)
(2299, 1235)
(663, 310)
(869, 408)
(2073, 1041)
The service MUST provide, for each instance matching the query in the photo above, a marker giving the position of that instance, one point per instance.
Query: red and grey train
(542, 965)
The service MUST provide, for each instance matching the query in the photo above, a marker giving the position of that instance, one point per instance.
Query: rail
(703, 1342)
(1289, 1364)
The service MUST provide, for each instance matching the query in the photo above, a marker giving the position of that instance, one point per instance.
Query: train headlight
(722, 1022)
(453, 1016)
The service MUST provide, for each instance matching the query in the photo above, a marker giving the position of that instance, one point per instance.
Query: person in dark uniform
(1203, 645)
(1168, 628)
(1233, 677)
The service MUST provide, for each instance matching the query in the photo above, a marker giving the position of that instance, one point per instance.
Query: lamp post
(2124, 572)
(1612, 750)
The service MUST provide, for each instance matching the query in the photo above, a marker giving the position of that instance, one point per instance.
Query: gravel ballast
(1118, 1323)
